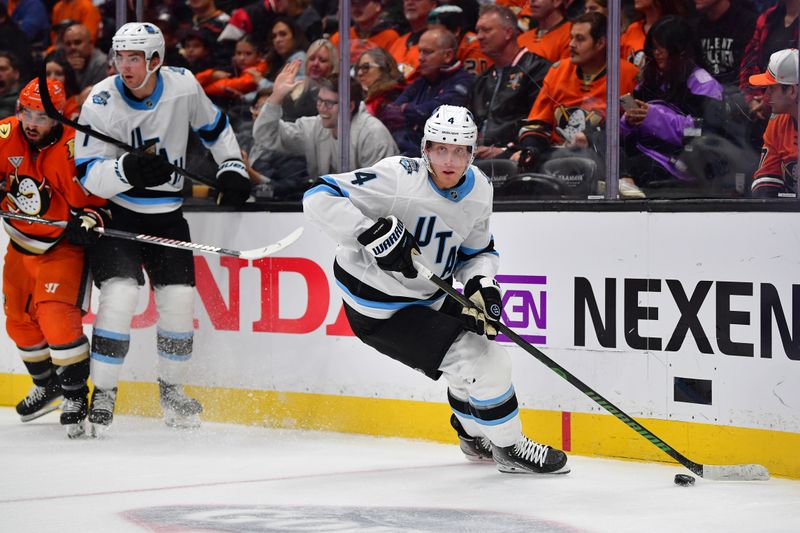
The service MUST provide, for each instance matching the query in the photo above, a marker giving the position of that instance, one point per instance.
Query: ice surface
(148, 477)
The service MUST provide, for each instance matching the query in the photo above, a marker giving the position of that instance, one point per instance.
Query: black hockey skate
(73, 416)
(180, 411)
(40, 400)
(101, 412)
(529, 457)
(475, 449)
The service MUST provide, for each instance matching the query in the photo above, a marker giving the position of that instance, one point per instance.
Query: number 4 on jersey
(363, 177)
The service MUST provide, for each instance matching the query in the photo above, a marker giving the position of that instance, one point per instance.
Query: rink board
(684, 320)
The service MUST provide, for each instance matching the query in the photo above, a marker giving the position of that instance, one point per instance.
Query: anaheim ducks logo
(570, 121)
(27, 196)
(5, 130)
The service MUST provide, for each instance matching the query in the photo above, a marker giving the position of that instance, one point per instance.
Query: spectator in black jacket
(503, 96)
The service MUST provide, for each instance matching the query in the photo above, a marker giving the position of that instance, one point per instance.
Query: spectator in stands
(777, 28)
(671, 98)
(9, 84)
(32, 18)
(317, 137)
(82, 12)
(288, 44)
(322, 61)
(503, 96)
(405, 50)
(570, 110)
(56, 67)
(89, 62)
(169, 27)
(210, 21)
(248, 65)
(648, 12)
(306, 17)
(777, 172)
(442, 81)
(370, 28)
(596, 6)
(380, 79)
(452, 18)
(197, 52)
(256, 19)
(12, 40)
(550, 39)
(722, 32)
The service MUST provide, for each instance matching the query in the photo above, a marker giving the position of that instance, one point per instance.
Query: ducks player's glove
(80, 228)
(485, 293)
(391, 244)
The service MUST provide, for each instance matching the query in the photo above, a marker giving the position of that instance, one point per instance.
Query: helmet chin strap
(147, 77)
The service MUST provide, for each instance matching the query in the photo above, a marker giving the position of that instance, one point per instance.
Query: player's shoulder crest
(101, 97)
(556, 64)
(70, 146)
(5, 130)
(410, 165)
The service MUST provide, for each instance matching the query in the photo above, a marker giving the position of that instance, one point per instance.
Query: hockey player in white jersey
(148, 105)
(447, 203)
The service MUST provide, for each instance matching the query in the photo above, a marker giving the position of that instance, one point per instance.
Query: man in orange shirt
(550, 39)
(571, 107)
(777, 170)
(81, 11)
(45, 282)
(405, 50)
(469, 51)
(370, 28)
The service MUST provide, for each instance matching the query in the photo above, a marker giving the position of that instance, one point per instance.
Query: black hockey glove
(485, 293)
(143, 169)
(80, 229)
(233, 183)
(391, 244)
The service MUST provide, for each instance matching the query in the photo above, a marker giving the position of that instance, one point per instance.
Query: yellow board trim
(591, 434)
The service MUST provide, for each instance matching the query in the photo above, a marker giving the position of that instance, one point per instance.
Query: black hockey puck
(684, 480)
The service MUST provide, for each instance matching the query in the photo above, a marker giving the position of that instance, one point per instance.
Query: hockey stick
(53, 113)
(744, 472)
(255, 253)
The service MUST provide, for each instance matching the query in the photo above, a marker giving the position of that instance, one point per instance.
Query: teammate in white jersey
(147, 105)
(447, 203)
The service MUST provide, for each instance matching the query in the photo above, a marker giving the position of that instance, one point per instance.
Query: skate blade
(182, 422)
(41, 412)
(507, 469)
(77, 431)
(100, 431)
(479, 459)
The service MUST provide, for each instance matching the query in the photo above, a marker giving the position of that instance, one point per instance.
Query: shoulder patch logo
(176, 70)
(410, 165)
(5, 131)
(70, 144)
(101, 98)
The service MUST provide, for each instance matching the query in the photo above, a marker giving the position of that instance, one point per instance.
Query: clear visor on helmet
(132, 59)
(453, 154)
(31, 117)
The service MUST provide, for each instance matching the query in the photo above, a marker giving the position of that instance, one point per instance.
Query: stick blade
(264, 251)
(751, 472)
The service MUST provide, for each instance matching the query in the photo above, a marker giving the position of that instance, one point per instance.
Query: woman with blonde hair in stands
(322, 61)
(380, 78)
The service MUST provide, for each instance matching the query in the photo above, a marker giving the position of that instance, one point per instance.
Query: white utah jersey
(177, 103)
(451, 228)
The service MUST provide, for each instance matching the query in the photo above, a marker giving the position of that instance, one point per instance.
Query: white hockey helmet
(450, 124)
(139, 36)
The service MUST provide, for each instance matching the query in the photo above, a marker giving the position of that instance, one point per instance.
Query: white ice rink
(226, 478)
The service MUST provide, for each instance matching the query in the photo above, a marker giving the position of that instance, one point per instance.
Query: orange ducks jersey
(39, 183)
(777, 169)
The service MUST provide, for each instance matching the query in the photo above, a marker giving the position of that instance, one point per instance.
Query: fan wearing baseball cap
(777, 171)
